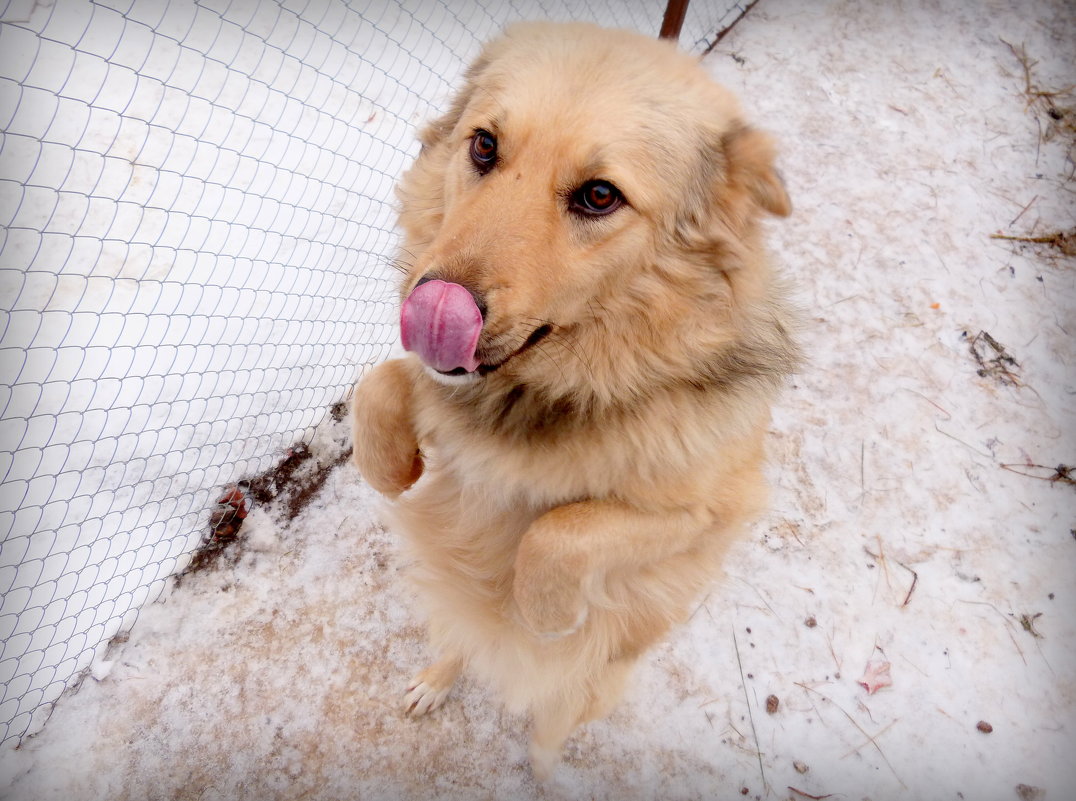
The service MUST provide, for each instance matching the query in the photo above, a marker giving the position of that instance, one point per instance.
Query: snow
(906, 527)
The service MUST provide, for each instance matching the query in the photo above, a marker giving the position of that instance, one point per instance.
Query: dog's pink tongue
(441, 322)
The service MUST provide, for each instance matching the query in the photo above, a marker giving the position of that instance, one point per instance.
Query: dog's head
(583, 220)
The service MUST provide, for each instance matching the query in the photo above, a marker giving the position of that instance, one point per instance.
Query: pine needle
(750, 716)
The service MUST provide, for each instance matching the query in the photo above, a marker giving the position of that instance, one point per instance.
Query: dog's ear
(438, 130)
(734, 182)
(749, 157)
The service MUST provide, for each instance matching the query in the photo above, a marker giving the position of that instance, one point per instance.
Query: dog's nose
(479, 300)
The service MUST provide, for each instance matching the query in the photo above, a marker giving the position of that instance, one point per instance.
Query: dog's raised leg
(430, 687)
(385, 447)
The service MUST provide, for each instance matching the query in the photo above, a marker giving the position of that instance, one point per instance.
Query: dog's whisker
(572, 347)
(591, 303)
(413, 208)
(395, 264)
(542, 350)
(569, 346)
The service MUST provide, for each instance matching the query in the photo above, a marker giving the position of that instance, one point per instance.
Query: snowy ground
(908, 526)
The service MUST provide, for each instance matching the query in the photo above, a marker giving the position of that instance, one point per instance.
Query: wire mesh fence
(705, 22)
(197, 221)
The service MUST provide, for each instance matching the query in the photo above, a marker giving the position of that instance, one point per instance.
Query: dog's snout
(433, 275)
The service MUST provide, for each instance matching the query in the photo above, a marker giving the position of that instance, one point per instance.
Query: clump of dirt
(1026, 792)
(290, 485)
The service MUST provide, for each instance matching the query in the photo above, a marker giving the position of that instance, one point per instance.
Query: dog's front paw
(548, 591)
(385, 447)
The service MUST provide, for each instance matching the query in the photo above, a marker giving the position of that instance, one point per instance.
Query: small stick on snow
(833, 653)
(870, 740)
(808, 795)
(1032, 91)
(1008, 623)
(1058, 239)
(851, 719)
(762, 598)
(1021, 214)
(750, 715)
(1062, 473)
(962, 442)
(862, 470)
(881, 559)
(911, 589)
(702, 605)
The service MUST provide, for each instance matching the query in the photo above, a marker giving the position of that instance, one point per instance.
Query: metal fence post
(673, 19)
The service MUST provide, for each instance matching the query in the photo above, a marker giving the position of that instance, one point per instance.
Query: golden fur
(565, 509)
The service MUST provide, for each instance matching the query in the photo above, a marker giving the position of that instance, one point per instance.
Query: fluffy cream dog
(597, 338)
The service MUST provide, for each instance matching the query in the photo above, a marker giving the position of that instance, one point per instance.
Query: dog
(595, 340)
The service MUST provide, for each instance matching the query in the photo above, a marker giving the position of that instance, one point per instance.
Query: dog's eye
(596, 198)
(483, 150)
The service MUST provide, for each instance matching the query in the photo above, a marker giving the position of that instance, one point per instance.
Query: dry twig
(1062, 474)
(1065, 241)
(750, 715)
(1000, 366)
(1008, 623)
(808, 795)
(851, 719)
(870, 740)
(1032, 91)
(1023, 210)
(881, 558)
